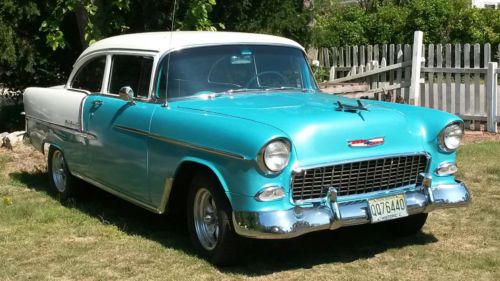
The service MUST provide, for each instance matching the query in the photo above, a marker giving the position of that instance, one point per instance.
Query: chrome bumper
(332, 215)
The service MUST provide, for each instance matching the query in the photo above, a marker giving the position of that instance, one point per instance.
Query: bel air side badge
(366, 143)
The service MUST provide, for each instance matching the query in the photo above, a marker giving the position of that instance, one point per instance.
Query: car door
(88, 78)
(118, 154)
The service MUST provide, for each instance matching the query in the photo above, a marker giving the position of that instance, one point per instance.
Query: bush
(395, 22)
(10, 115)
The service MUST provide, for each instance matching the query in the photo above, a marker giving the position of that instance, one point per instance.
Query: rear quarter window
(89, 76)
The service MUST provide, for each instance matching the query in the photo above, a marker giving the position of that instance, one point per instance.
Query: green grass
(99, 237)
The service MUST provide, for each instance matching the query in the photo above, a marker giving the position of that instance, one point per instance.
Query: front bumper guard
(298, 221)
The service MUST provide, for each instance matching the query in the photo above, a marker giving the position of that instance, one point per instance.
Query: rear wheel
(60, 178)
(408, 225)
(209, 221)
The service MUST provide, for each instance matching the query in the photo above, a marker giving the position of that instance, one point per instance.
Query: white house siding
(484, 3)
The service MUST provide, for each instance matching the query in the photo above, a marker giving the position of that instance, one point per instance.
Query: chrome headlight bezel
(448, 131)
(262, 157)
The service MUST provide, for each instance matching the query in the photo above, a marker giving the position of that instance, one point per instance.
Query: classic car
(231, 130)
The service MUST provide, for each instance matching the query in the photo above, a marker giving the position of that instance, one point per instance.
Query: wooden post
(332, 73)
(416, 67)
(458, 81)
(334, 56)
(430, 78)
(439, 77)
(467, 94)
(341, 62)
(449, 98)
(498, 54)
(355, 56)
(491, 93)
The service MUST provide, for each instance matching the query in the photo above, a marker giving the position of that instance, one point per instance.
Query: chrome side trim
(125, 51)
(181, 143)
(166, 195)
(131, 130)
(79, 91)
(199, 147)
(108, 52)
(64, 128)
(159, 210)
(331, 215)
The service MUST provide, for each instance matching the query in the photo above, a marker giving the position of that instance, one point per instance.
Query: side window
(89, 76)
(132, 71)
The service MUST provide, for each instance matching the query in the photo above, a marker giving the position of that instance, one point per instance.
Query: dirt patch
(24, 158)
(479, 136)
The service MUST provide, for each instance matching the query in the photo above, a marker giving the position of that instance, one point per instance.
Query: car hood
(318, 131)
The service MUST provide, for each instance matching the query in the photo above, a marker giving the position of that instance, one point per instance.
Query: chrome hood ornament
(366, 142)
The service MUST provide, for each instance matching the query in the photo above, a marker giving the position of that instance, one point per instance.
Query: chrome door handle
(97, 103)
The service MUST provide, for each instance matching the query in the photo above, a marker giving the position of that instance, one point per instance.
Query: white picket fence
(458, 78)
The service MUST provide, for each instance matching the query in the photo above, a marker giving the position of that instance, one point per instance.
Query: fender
(210, 166)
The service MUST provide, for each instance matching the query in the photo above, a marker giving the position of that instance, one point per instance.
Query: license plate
(387, 208)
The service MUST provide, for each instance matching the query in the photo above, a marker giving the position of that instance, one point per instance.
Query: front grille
(359, 177)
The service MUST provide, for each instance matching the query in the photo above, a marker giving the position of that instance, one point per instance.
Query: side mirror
(315, 63)
(126, 93)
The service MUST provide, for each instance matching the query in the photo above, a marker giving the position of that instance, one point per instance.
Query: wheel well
(180, 187)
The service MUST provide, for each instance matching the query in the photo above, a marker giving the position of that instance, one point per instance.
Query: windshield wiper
(235, 91)
(245, 90)
(288, 88)
(212, 95)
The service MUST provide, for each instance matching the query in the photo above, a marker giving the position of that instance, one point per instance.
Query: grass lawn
(99, 237)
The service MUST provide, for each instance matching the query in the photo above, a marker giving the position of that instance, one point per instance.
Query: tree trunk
(82, 19)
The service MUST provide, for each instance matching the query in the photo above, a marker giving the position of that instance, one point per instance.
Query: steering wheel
(269, 72)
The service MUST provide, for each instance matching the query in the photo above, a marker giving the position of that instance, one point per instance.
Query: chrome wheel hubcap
(206, 222)
(59, 171)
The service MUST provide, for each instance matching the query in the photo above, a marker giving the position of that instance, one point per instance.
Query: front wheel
(209, 221)
(60, 178)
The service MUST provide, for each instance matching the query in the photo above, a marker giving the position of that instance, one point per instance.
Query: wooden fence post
(491, 93)
(332, 73)
(416, 67)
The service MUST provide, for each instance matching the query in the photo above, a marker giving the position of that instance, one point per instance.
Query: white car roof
(165, 41)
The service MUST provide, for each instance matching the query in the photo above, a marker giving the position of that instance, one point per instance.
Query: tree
(289, 18)
(477, 26)
(436, 18)
(338, 25)
(24, 57)
(40, 40)
(197, 16)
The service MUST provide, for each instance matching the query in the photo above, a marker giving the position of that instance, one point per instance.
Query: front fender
(210, 165)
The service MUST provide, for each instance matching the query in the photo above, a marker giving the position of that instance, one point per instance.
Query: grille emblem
(366, 143)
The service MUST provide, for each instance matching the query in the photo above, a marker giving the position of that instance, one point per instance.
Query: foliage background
(40, 40)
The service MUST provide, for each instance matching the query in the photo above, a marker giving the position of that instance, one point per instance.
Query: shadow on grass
(262, 257)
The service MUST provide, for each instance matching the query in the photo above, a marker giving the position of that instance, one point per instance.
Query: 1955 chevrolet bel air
(232, 129)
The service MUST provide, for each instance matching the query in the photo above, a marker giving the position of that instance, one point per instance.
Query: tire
(61, 180)
(209, 222)
(407, 226)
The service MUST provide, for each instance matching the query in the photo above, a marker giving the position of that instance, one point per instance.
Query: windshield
(233, 69)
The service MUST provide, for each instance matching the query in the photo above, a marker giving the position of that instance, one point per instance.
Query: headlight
(274, 156)
(450, 137)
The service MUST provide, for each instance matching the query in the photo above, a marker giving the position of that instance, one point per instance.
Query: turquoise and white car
(231, 130)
